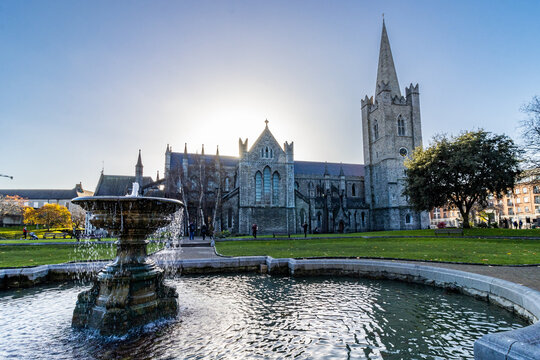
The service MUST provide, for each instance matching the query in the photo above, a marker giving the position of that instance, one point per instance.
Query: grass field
(16, 232)
(481, 251)
(17, 256)
(428, 232)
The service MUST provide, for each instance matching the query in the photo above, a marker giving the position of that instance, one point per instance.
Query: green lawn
(430, 232)
(17, 256)
(482, 251)
(16, 232)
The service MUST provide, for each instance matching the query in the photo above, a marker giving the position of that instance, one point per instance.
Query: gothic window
(353, 190)
(275, 187)
(227, 184)
(401, 126)
(262, 152)
(376, 130)
(363, 219)
(266, 152)
(266, 181)
(408, 219)
(258, 186)
(271, 153)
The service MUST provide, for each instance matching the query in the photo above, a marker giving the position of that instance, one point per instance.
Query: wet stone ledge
(517, 344)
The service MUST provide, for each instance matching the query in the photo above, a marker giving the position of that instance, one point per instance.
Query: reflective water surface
(252, 316)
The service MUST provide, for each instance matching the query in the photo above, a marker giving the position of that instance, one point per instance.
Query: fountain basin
(129, 292)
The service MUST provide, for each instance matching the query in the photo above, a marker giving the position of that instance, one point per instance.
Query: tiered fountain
(129, 292)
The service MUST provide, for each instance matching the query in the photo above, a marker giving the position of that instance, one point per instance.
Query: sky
(85, 84)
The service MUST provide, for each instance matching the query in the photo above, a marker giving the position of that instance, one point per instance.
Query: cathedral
(265, 185)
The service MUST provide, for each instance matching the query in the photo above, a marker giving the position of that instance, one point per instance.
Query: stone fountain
(129, 292)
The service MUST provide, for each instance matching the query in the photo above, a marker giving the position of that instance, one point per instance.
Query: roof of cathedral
(334, 169)
(117, 185)
(386, 72)
(300, 167)
(177, 158)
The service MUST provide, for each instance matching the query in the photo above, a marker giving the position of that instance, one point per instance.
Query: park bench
(276, 234)
(449, 231)
(56, 235)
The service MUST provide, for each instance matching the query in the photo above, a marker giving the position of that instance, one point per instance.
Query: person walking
(305, 226)
(254, 229)
(203, 231)
(191, 228)
(25, 232)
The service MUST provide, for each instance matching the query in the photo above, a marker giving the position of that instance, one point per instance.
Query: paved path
(524, 275)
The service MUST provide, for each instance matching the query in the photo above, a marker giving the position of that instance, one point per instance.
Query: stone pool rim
(522, 343)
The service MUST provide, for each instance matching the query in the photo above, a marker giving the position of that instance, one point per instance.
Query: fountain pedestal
(130, 291)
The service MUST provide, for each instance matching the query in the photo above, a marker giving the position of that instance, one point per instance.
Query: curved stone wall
(517, 344)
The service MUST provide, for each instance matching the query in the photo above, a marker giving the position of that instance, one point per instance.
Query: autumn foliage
(49, 215)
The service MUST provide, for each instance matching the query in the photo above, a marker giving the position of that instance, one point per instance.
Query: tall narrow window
(353, 190)
(401, 126)
(275, 188)
(408, 219)
(376, 130)
(266, 181)
(266, 152)
(227, 184)
(258, 186)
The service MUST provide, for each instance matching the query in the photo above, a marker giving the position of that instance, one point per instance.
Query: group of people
(204, 231)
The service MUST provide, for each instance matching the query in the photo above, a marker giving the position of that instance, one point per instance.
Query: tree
(461, 171)
(78, 216)
(49, 215)
(530, 130)
(11, 205)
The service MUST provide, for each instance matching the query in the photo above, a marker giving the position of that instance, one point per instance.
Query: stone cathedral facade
(265, 185)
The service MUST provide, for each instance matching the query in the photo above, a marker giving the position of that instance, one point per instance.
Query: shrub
(222, 234)
(441, 225)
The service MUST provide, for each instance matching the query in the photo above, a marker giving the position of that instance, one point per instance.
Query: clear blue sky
(83, 82)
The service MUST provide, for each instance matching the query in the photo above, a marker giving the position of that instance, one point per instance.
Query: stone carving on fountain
(129, 292)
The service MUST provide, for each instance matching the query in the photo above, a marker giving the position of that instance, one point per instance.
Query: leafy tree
(49, 215)
(530, 130)
(11, 205)
(462, 171)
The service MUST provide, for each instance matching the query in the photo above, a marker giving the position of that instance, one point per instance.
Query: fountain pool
(255, 316)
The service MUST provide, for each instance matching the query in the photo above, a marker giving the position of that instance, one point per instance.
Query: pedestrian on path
(191, 228)
(203, 231)
(25, 232)
(305, 226)
(254, 229)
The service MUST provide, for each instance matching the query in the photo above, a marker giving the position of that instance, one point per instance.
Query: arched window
(376, 130)
(229, 218)
(353, 190)
(275, 187)
(258, 186)
(266, 152)
(227, 184)
(266, 181)
(400, 126)
(271, 153)
(408, 219)
(262, 152)
(363, 219)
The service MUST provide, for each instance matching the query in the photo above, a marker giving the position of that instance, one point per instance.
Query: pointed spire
(185, 149)
(386, 72)
(202, 151)
(217, 151)
(326, 173)
(168, 149)
(266, 122)
(341, 173)
(139, 161)
(157, 176)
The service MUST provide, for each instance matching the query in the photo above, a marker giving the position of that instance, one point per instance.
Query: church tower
(391, 130)
(139, 172)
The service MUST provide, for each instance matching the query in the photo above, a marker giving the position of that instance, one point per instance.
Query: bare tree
(78, 216)
(530, 131)
(11, 205)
